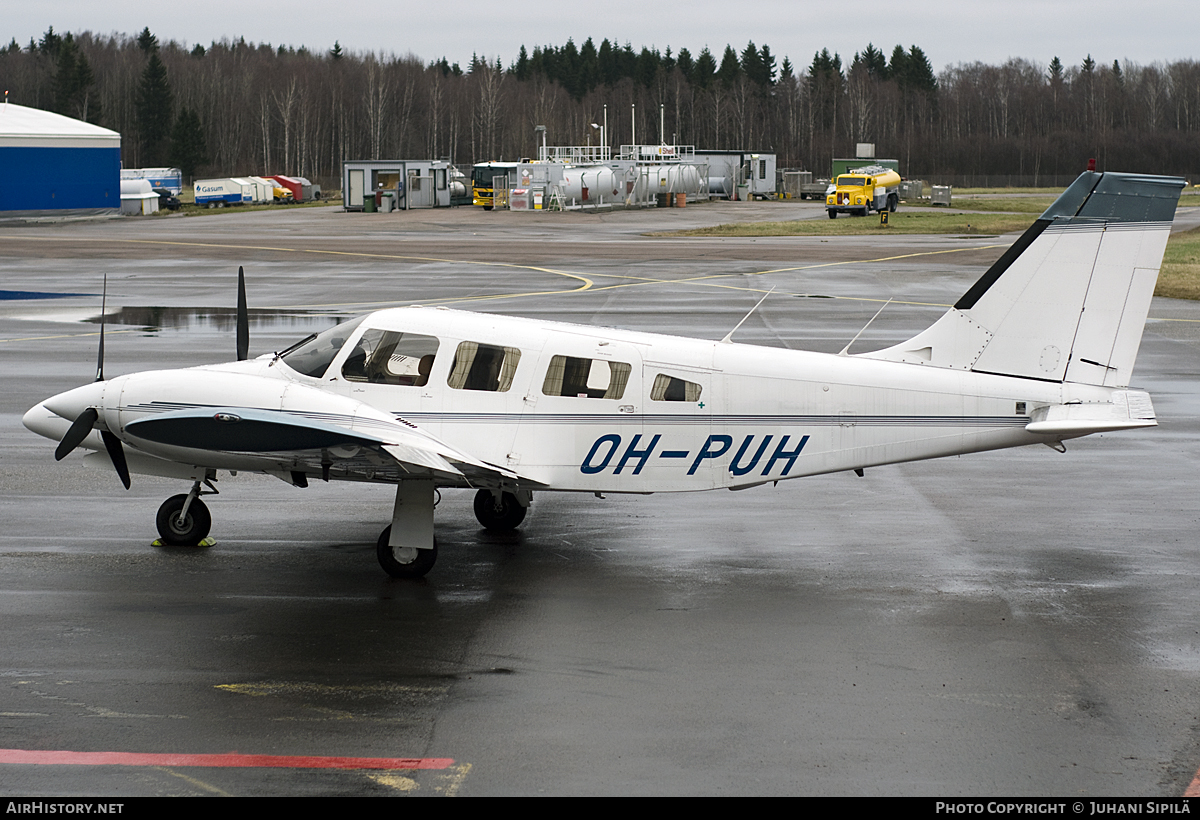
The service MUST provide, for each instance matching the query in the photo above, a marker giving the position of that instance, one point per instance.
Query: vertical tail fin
(1068, 301)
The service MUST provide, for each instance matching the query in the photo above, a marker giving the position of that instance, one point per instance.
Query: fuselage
(582, 408)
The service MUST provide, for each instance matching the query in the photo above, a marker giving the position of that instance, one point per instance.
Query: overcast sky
(989, 31)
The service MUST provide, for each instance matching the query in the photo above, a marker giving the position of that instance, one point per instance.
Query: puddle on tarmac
(220, 319)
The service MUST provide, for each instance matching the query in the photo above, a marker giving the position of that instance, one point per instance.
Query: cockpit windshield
(311, 356)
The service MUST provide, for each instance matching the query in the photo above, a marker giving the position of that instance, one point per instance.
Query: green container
(369, 204)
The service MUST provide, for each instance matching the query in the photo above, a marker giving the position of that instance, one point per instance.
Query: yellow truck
(862, 190)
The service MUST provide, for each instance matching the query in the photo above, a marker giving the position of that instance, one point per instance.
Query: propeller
(79, 429)
(243, 319)
(86, 420)
(116, 454)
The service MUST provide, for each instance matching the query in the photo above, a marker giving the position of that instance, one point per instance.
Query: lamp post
(541, 129)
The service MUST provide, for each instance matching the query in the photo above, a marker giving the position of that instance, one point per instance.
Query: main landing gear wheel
(191, 530)
(404, 562)
(502, 516)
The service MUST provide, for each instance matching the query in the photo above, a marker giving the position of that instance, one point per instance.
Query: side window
(586, 378)
(669, 388)
(391, 357)
(483, 367)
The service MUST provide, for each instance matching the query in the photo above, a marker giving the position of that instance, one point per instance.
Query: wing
(294, 442)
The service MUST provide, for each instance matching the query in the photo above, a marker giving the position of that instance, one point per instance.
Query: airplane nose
(70, 404)
(44, 423)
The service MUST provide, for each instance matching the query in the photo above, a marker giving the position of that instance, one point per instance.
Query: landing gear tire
(499, 517)
(186, 533)
(404, 562)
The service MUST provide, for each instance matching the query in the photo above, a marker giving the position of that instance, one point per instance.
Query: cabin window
(586, 378)
(311, 356)
(669, 388)
(391, 357)
(483, 367)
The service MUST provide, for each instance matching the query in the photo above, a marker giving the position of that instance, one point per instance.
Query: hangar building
(52, 163)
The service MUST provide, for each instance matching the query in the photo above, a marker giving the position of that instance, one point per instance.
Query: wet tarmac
(1013, 623)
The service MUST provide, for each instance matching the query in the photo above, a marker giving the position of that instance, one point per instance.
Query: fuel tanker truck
(862, 190)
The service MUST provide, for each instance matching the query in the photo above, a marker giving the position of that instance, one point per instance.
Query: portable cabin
(409, 183)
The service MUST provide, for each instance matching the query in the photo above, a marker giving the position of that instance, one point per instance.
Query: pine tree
(521, 69)
(50, 43)
(335, 53)
(73, 81)
(647, 67)
(898, 67)
(730, 67)
(685, 64)
(1056, 71)
(751, 63)
(874, 62)
(146, 41)
(767, 61)
(154, 103)
(920, 71)
(188, 148)
(706, 69)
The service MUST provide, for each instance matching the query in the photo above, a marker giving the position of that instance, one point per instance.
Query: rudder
(1068, 301)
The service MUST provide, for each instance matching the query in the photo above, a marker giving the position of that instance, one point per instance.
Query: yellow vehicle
(862, 190)
(481, 180)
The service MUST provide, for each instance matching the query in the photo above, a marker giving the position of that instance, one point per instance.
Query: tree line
(241, 108)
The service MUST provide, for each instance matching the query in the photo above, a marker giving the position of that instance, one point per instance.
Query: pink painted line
(231, 760)
(1194, 789)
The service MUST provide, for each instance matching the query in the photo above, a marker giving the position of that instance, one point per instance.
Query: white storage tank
(138, 197)
(592, 185)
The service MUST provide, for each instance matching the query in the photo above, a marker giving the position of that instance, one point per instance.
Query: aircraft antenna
(103, 310)
(864, 327)
(729, 336)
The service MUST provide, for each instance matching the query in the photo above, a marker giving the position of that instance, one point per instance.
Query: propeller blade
(243, 319)
(116, 454)
(78, 432)
(103, 310)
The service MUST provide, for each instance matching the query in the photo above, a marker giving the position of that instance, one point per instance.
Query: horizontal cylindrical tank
(669, 179)
(592, 184)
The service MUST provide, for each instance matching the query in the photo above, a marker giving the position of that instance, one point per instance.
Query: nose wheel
(183, 524)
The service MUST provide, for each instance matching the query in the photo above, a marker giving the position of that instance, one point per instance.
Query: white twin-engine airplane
(1039, 350)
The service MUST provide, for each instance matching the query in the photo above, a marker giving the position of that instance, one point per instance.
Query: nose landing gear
(184, 520)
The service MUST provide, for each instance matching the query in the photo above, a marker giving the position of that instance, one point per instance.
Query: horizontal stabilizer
(1128, 410)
